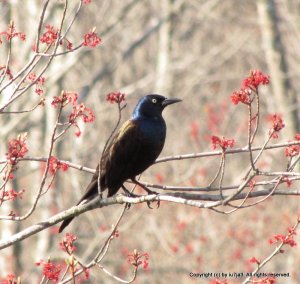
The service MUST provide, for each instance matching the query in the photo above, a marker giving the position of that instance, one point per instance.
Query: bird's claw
(149, 201)
(128, 193)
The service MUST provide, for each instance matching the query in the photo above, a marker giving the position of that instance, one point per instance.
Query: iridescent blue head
(152, 106)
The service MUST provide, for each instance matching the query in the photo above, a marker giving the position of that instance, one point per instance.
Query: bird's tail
(65, 223)
(91, 192)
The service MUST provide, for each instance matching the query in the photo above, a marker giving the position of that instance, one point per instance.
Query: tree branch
(195, 200)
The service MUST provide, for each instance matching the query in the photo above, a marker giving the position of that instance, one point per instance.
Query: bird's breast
(153, 131)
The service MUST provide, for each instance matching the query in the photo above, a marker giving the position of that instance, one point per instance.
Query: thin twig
(276, 251)
(7, 60)
(23, 111)
(228, 152)
(222, 175)
(41, 20)
(218, 171)
(250, 140)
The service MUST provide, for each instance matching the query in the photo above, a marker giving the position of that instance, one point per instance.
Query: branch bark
(195, 200)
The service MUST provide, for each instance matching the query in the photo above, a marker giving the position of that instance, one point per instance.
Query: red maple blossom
(285, 239)
(250, 84)
(50, 35)
(7, 71)
(254, 260)
(67, 244)
(51, 271)
(55, 165)
(16, 149)
(11, 194)
(82, 111)
(115, 97)
(64, 98)
(91, 39)
(255, 79)
(136, 259)
(293, 150)
(221, 142)
(277, 125)
(9, 279)
(11, 32)
(241, 96)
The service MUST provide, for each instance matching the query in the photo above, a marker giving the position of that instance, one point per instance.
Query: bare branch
(180, 198)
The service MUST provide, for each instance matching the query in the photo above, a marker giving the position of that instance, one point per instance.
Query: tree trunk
(163, 73)
(285, 96)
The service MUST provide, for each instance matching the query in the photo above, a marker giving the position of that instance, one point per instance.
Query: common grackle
(132, 150)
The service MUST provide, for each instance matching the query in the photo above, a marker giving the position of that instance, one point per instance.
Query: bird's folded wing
(120, 158)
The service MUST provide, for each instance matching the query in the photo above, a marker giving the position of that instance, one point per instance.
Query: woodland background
(198, 51)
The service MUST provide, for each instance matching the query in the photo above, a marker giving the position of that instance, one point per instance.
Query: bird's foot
(149, 191)
(149, 202)
(128, 193)
(157, 206)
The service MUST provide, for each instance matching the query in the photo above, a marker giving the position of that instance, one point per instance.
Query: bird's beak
(167, 102)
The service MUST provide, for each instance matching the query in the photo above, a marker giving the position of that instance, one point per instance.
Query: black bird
(132, 150)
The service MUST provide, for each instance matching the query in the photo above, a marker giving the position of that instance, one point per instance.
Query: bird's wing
(112, 156)
(114, 162)
(120, 157)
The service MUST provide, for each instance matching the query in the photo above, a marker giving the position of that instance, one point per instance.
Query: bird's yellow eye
(154, 101)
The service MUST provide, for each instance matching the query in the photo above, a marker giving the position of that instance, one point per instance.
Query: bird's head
(152, 106)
